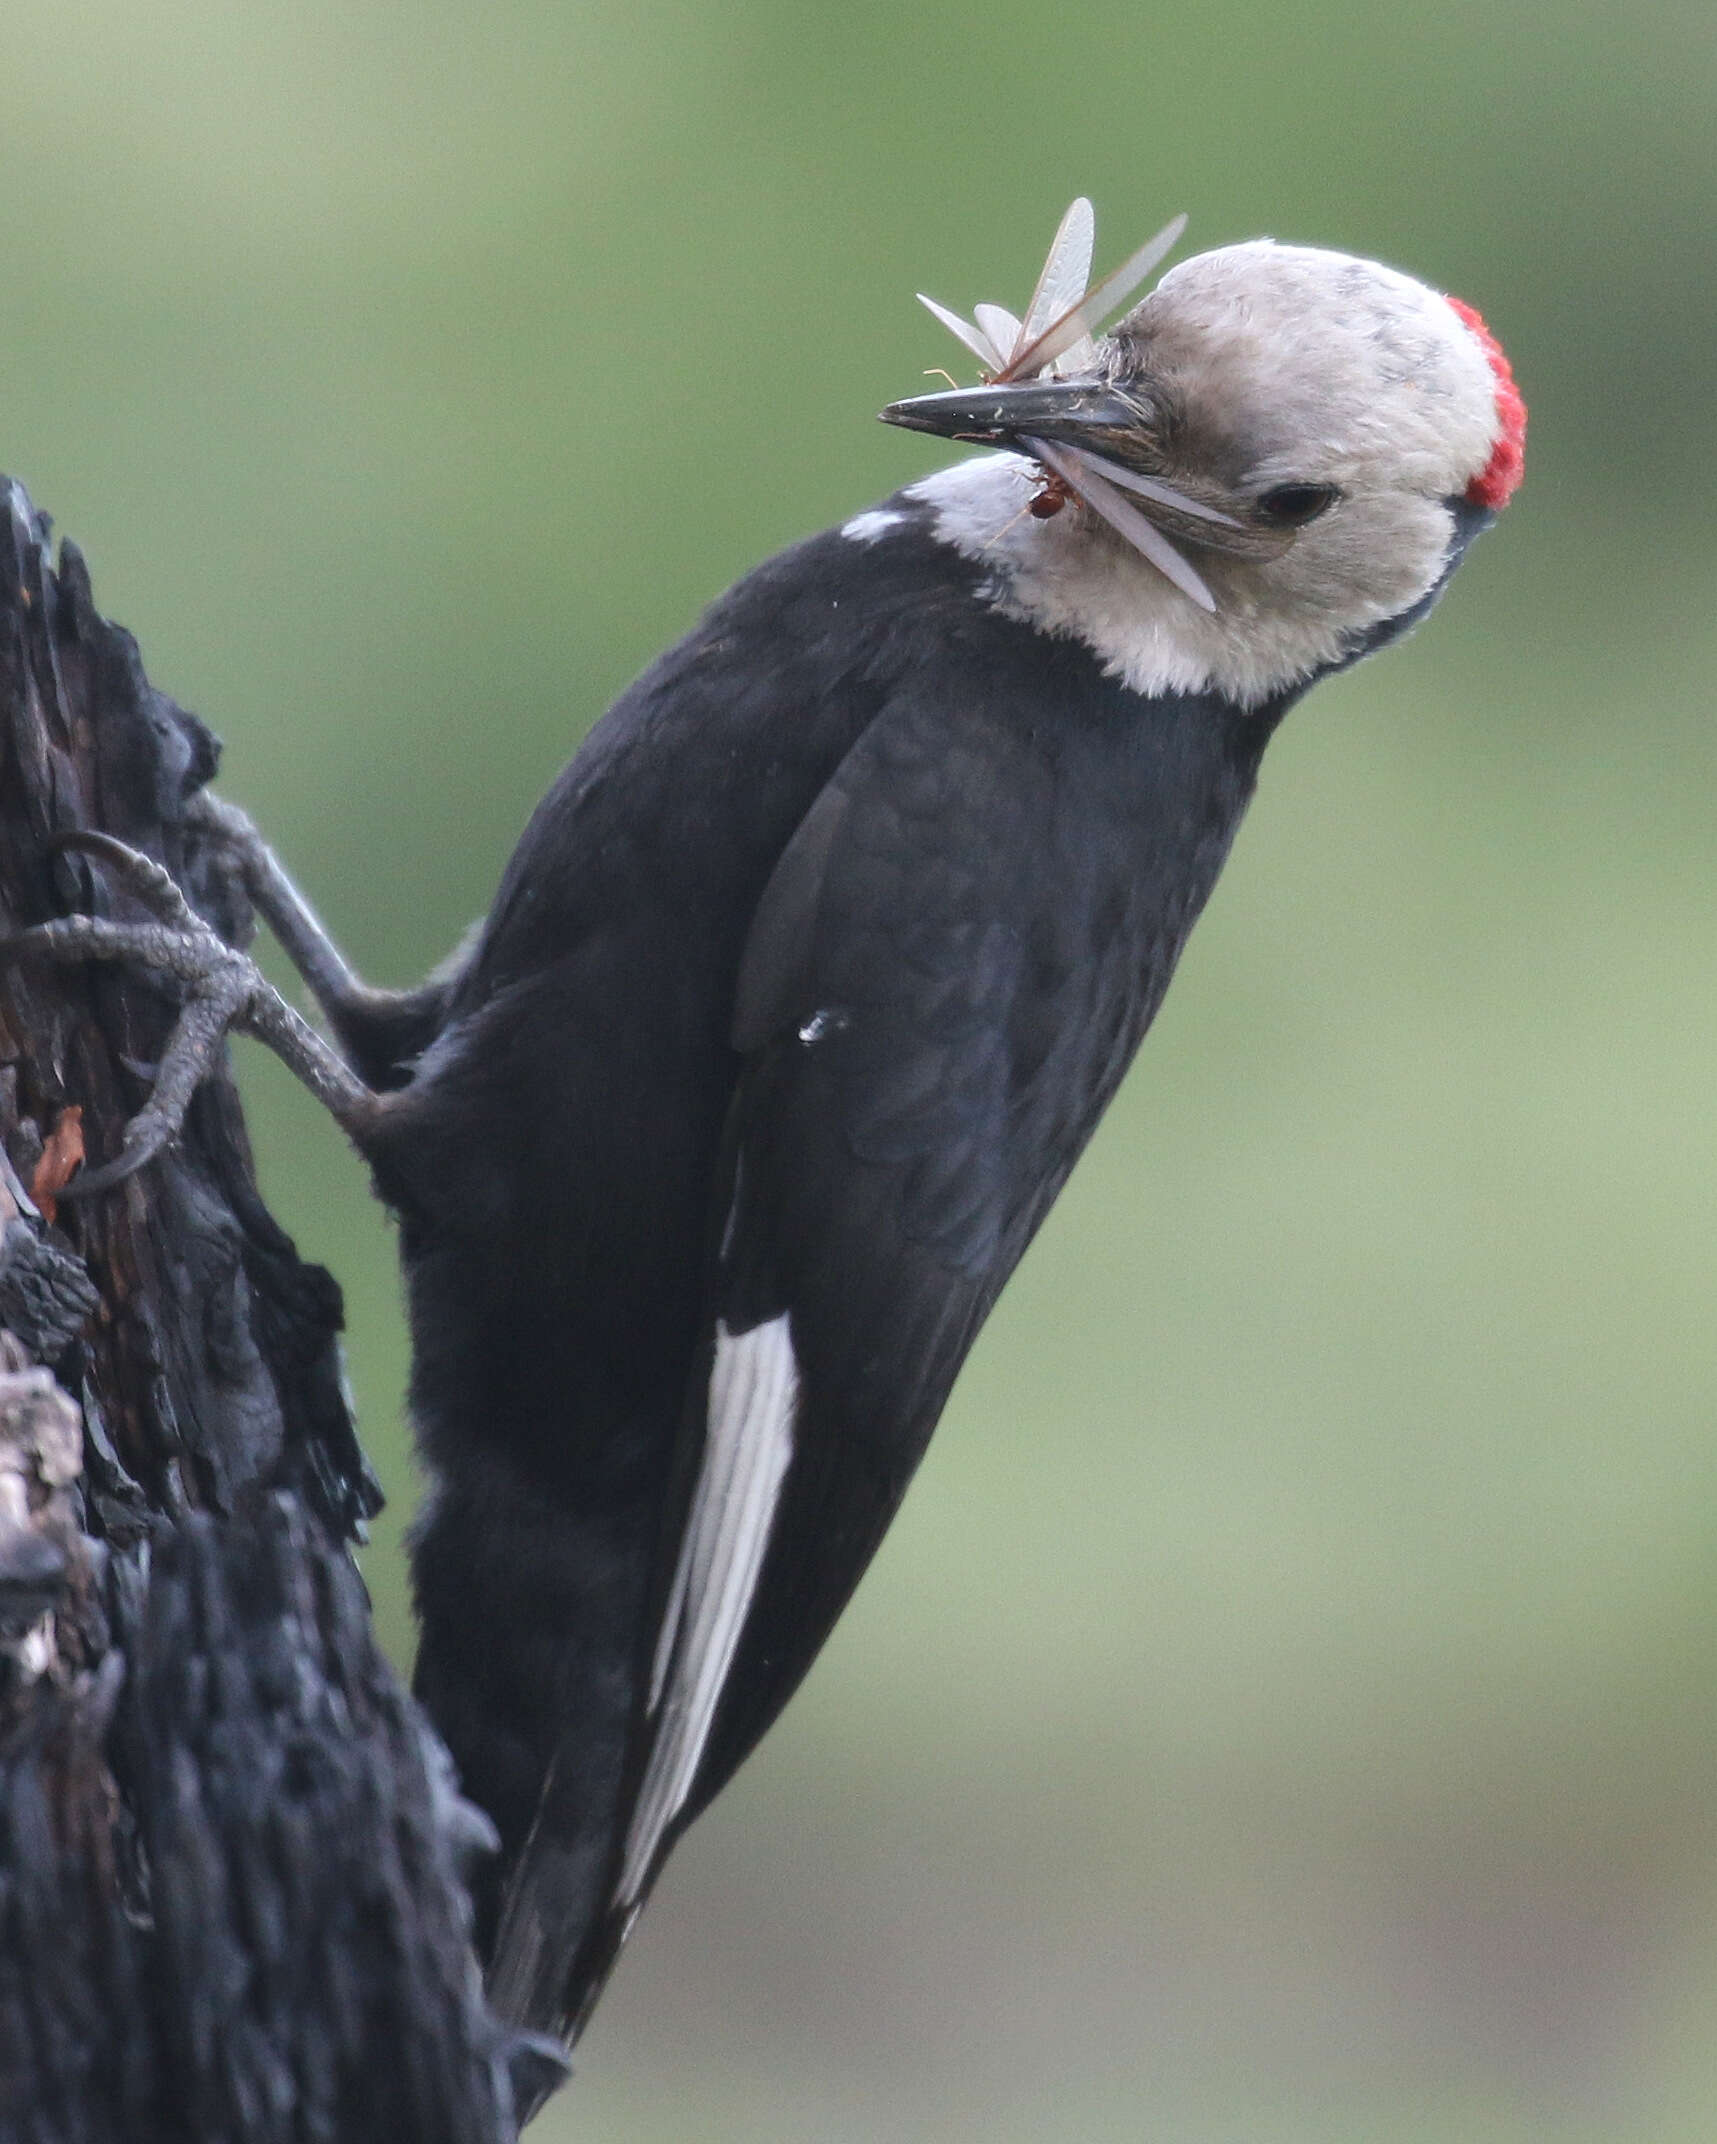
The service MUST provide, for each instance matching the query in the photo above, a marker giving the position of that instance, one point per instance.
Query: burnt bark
(231, 1855)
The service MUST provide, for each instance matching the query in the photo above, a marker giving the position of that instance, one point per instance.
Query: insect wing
(975, 339)
(1001, 327)
(1149, 487)
(1066, 270)
(1096, 305)
(1151, 543)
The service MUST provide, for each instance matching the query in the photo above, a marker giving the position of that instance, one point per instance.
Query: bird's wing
(906, 1109)
(888, 1155)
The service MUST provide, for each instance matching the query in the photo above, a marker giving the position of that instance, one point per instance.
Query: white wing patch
(748, 1443)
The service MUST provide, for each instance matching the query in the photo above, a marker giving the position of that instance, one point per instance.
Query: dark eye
(1291, 506)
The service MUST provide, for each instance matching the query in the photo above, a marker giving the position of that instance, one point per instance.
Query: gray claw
(222, 989)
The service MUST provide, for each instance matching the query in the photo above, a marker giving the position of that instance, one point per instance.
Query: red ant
(1051, 496)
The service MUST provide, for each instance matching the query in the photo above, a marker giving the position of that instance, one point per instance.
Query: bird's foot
(222, 991)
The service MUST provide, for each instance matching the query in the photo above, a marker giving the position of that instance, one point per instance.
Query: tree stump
(231, 1853)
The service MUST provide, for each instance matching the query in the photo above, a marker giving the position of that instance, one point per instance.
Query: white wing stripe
(748, 1443)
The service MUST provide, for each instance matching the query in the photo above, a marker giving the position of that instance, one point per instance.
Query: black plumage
(807, 984)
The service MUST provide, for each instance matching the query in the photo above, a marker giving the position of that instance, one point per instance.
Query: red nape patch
(1495, 483)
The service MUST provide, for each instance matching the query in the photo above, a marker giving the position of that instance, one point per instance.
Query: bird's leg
(332, 981)
(377, 1030)
(223, 989)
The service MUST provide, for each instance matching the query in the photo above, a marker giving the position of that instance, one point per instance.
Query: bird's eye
(1291, 506)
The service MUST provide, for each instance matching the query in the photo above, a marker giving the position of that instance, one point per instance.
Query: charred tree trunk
(231, 1903)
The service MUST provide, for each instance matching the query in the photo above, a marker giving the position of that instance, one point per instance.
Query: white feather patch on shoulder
(875, 521)
(748, 1445)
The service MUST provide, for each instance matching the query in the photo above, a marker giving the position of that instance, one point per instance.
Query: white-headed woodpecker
(804, 989)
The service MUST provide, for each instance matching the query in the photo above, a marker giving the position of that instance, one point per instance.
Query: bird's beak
(1105, 443)
(1076, 413)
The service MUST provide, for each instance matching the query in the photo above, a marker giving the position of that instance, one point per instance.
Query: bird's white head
(1270, 459)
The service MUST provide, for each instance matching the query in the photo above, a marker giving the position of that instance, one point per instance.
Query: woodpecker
(806, 985)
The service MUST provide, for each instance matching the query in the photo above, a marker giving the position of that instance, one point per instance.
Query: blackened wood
(231, 1901)
(214, 1356)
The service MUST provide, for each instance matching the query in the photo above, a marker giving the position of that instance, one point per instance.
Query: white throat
(1072, 577)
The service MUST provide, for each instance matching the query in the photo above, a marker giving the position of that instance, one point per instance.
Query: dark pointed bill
(1000, 412)
(1038, 396)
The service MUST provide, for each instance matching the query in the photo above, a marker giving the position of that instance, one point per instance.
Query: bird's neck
(1072, 577)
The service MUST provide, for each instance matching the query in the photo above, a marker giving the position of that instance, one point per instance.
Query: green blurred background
(1285, 1710)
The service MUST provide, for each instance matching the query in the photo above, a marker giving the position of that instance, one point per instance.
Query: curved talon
(151, 882)
(91, 1183)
